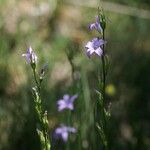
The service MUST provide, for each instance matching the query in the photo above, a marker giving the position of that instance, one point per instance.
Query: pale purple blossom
(63, 132)
(66, 102)
(30, 56)
(96, 25)
(94, 47)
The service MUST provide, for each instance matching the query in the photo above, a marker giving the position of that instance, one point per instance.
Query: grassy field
(56, 29)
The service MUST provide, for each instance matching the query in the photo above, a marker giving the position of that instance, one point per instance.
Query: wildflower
(63, 132)
(96, 25)
(66, 102)
(30, 56)
(94, 46)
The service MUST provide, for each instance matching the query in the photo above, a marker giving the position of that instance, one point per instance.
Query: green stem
(69, 122)
(103, 93)
(40, 108)
(104, 80)
(72, 70)
(36, 81)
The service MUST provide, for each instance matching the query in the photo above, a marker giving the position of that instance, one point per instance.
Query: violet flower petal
(66, 102)
(65, 136)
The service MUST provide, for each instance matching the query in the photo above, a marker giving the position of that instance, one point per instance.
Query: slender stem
(69, 123)
(104, 96)
(41, 112)
(36, 81)
(44, 132)
(104, 78)
(73, 69)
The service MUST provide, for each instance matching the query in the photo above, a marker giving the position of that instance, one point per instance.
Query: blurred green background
(54, 29)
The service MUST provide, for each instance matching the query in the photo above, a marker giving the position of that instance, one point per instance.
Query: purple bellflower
(66, 102)
(96, 25)
(63, 132)
(94, 47)
(30, 56)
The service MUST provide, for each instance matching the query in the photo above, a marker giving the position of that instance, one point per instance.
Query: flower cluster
(95, 45)
(65, 103)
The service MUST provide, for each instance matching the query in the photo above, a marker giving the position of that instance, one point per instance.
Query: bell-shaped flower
(63, 132)
(96, 25)
(66, 102)
(94, 47)
(30, 56)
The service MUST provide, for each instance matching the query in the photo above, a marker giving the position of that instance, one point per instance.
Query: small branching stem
(40, 113)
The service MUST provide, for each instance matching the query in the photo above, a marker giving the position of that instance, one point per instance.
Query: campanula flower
(63, 132)
(66, 102)
(96, 25)
(94, 47)
(30, 56)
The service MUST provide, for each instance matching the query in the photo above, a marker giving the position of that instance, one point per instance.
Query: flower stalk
(97, 47)
(104, 136)
(67, 102)
(43, 134)
(105, 142)
(42, 116)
